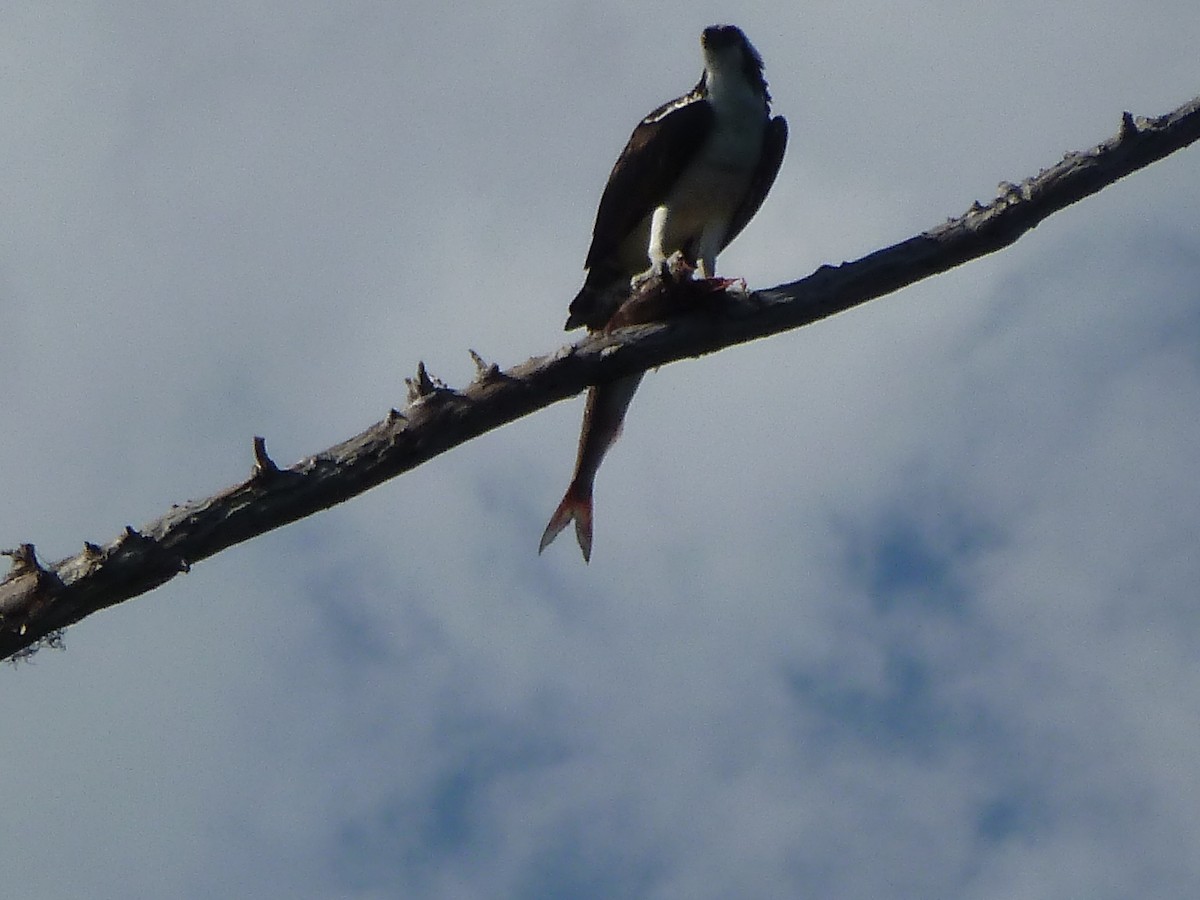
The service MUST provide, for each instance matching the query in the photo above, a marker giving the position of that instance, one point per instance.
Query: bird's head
(730, 60)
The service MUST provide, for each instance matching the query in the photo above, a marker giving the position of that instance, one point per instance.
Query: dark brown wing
(658, 150)
(774, 145)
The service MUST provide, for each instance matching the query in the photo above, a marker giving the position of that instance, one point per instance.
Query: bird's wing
(659, 149)
(774, 145)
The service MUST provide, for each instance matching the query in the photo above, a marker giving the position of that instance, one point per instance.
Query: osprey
(693, 174)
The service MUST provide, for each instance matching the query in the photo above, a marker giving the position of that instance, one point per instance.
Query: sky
(898, 605)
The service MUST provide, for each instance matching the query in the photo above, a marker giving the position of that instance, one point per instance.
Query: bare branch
(264, 466)
(37, 601)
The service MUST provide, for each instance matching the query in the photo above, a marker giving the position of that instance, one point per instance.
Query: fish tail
(576, 506)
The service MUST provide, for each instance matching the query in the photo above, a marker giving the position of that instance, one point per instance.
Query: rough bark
(37, 601)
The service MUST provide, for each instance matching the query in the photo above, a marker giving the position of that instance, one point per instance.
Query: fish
(603, 417)
(656, 299)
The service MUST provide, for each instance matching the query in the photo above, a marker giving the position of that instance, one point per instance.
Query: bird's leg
(659, 264)
(707, 247)
(658, 235)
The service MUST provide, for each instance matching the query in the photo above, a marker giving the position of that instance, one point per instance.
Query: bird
(692, 175)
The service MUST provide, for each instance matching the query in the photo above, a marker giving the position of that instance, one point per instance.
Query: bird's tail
(603, 291)
(576, 506)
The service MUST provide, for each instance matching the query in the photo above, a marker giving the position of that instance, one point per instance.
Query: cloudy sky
(900, 605)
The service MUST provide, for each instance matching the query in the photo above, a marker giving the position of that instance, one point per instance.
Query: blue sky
(899, 605)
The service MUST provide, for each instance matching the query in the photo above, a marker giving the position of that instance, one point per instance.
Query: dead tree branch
(37, 601)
